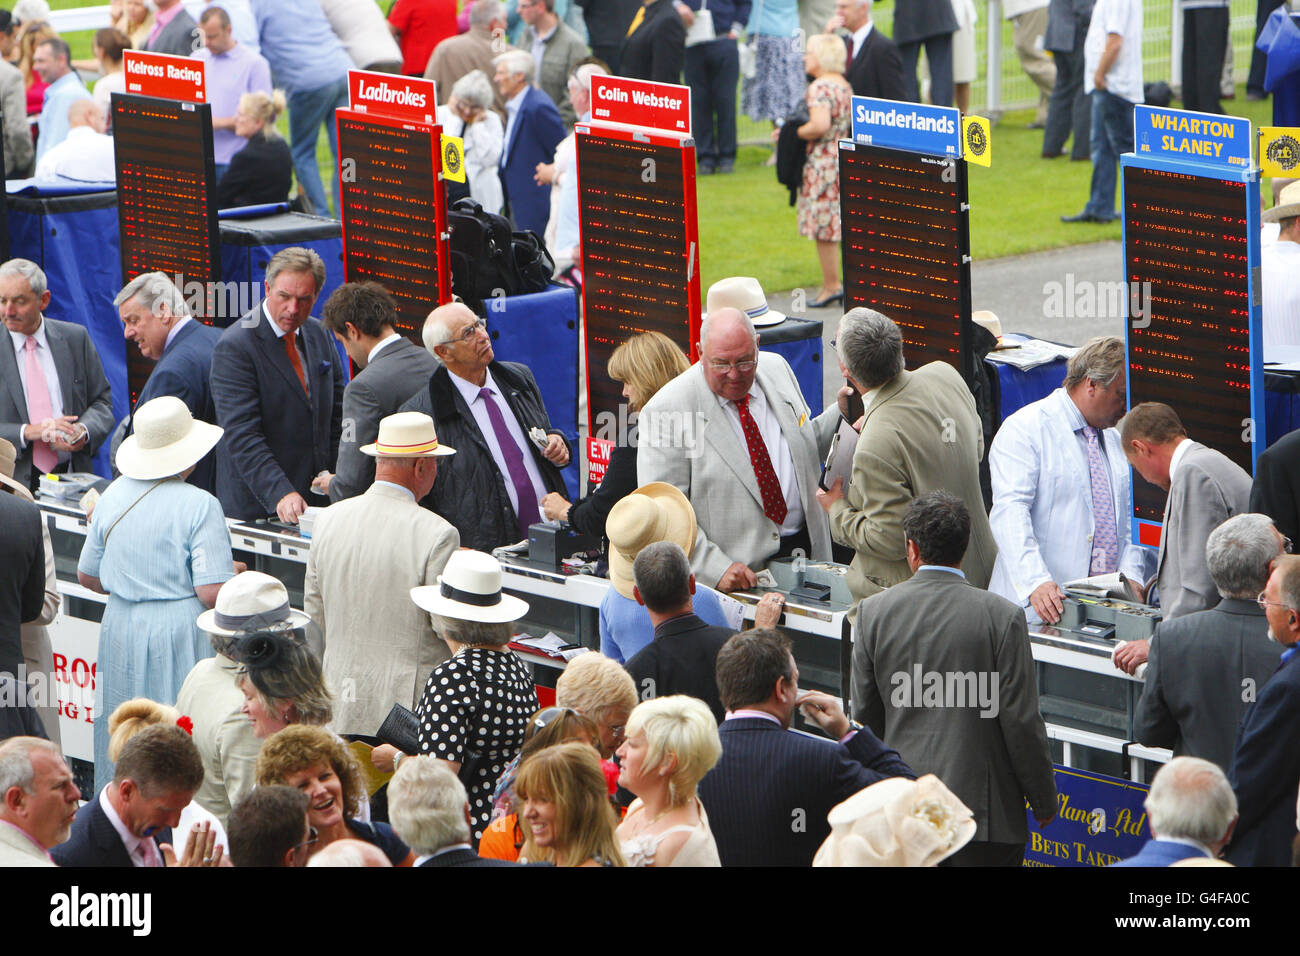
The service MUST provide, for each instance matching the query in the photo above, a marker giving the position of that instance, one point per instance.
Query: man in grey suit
(56, 407)
(981, 733)
(1205, 667)
(174, 32)
(1205, 487)
(363, 316)
(734, 434)
(920, 433)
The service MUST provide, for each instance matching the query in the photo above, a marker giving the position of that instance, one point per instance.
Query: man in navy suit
(277, 383)
(875, 67)
(1266, 765)
(156, 318)
(130, 822)
(429, 809)
(533, 130)
(768, 796)
(1191, 811)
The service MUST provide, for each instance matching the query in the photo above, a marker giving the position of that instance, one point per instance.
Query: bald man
(86, 155)
(508, 457)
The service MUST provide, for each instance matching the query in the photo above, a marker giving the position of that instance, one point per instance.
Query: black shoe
(706, 169)
(822, 303)
(1254, 97)
(1083, 217)
(1036, 125)
(726, 166)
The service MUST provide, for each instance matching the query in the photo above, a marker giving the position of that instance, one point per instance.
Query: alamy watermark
(945, 689)
(1086, 299)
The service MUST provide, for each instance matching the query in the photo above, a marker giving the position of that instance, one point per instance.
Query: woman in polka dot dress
(476, 704)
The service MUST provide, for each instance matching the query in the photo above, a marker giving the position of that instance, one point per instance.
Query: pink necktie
(39, 408)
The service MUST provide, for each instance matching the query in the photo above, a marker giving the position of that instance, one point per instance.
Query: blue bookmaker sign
(1206, 139)
(1100, 820)
(919, 129)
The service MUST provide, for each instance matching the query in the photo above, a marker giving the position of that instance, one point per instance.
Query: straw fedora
(654, 512)
(469, 589)
(251, 601)
(8, 457)
(406, 435)
(745, 294)
(897, 822)
(166, 441)
(1288, 204)
(987, 320)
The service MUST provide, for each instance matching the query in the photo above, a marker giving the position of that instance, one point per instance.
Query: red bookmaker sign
(661, 106)
(400, 97)
(165, 76)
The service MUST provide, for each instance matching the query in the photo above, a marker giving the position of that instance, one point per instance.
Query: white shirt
(1176, 459)
(859, 38)
(1280, 276)
(1123, 17)
(381, 346)
(513, 106)
(46, 358)
(777, 450)
(478, 408)
(84, 156)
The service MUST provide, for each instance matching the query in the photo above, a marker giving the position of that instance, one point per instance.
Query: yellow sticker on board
(977, 140)
(453, 158)
(1279, 152)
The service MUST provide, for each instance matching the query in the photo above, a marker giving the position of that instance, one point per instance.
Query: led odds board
(390, 173)
(905, 231)
(637, 222)
(166, 184)
(1191, 264)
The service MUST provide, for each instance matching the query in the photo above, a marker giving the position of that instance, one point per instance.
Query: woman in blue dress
(159, 548)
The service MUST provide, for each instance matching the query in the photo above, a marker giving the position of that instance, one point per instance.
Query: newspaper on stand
(1025, 352)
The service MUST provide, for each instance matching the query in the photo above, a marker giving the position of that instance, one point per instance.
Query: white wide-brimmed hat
(897, 822)
(251, 601)
(167, 440)
(743, 293)
(469, 589)
(406, 435)
(654, 512)
(1288, 204)
(988, 320)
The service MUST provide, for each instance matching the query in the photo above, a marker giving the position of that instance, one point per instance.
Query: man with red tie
(277, 383)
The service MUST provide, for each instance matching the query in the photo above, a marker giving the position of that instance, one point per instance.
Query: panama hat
(251, 601)
(8, 457)
(897, 822)
(743, 293)
(406, 435)
(167, 440)
(1288, 204)
(469, 589)
(654, 512)
(987, 320)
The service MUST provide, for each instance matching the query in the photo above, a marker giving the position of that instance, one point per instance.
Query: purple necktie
(524, 490)
(1105, 540)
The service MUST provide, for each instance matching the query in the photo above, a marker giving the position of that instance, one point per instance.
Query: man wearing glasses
(734, 434)
(507, 455)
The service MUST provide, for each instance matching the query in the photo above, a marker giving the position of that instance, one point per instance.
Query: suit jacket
(81, 381)
(922, 433)
(769, 778)
(261, 172)
(1196, 690)
(687, 440)
(17, 849)
(277, 439)
(465, 857)
(1265, 773)
(399, 371)
(22, 574)
(991, 748)
(921, 19)
(224, 735)
(94, 842)
(1161, 853)
(177, 38)
(1276, 489)
(470, 491)
(657, 49)
(366, 555)
(877, 69)
(533, 136)
(682, 659)
(185, 372)
(1207, 489)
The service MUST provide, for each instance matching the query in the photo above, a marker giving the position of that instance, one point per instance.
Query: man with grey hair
(156, 317)
(556, 49)
(1192, 813)
(533, 129)
(429, 809)
(1061, 487)
(734, 435)
(682, 658)
(58, 408)
(472, 50)
(38, 801)
(1204, 667)
(921, 432)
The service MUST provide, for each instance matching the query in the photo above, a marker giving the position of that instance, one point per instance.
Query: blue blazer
(94, 842)
(768, 796)
(277, 440)
(1265, 773)
(1160, 853)
(536, 131)
(183, 371)
(464, 857)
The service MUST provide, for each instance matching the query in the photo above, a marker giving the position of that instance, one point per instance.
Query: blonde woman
(829, 100)
(262, 171)
(567, 817)
(672, 742)
(136, 21)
